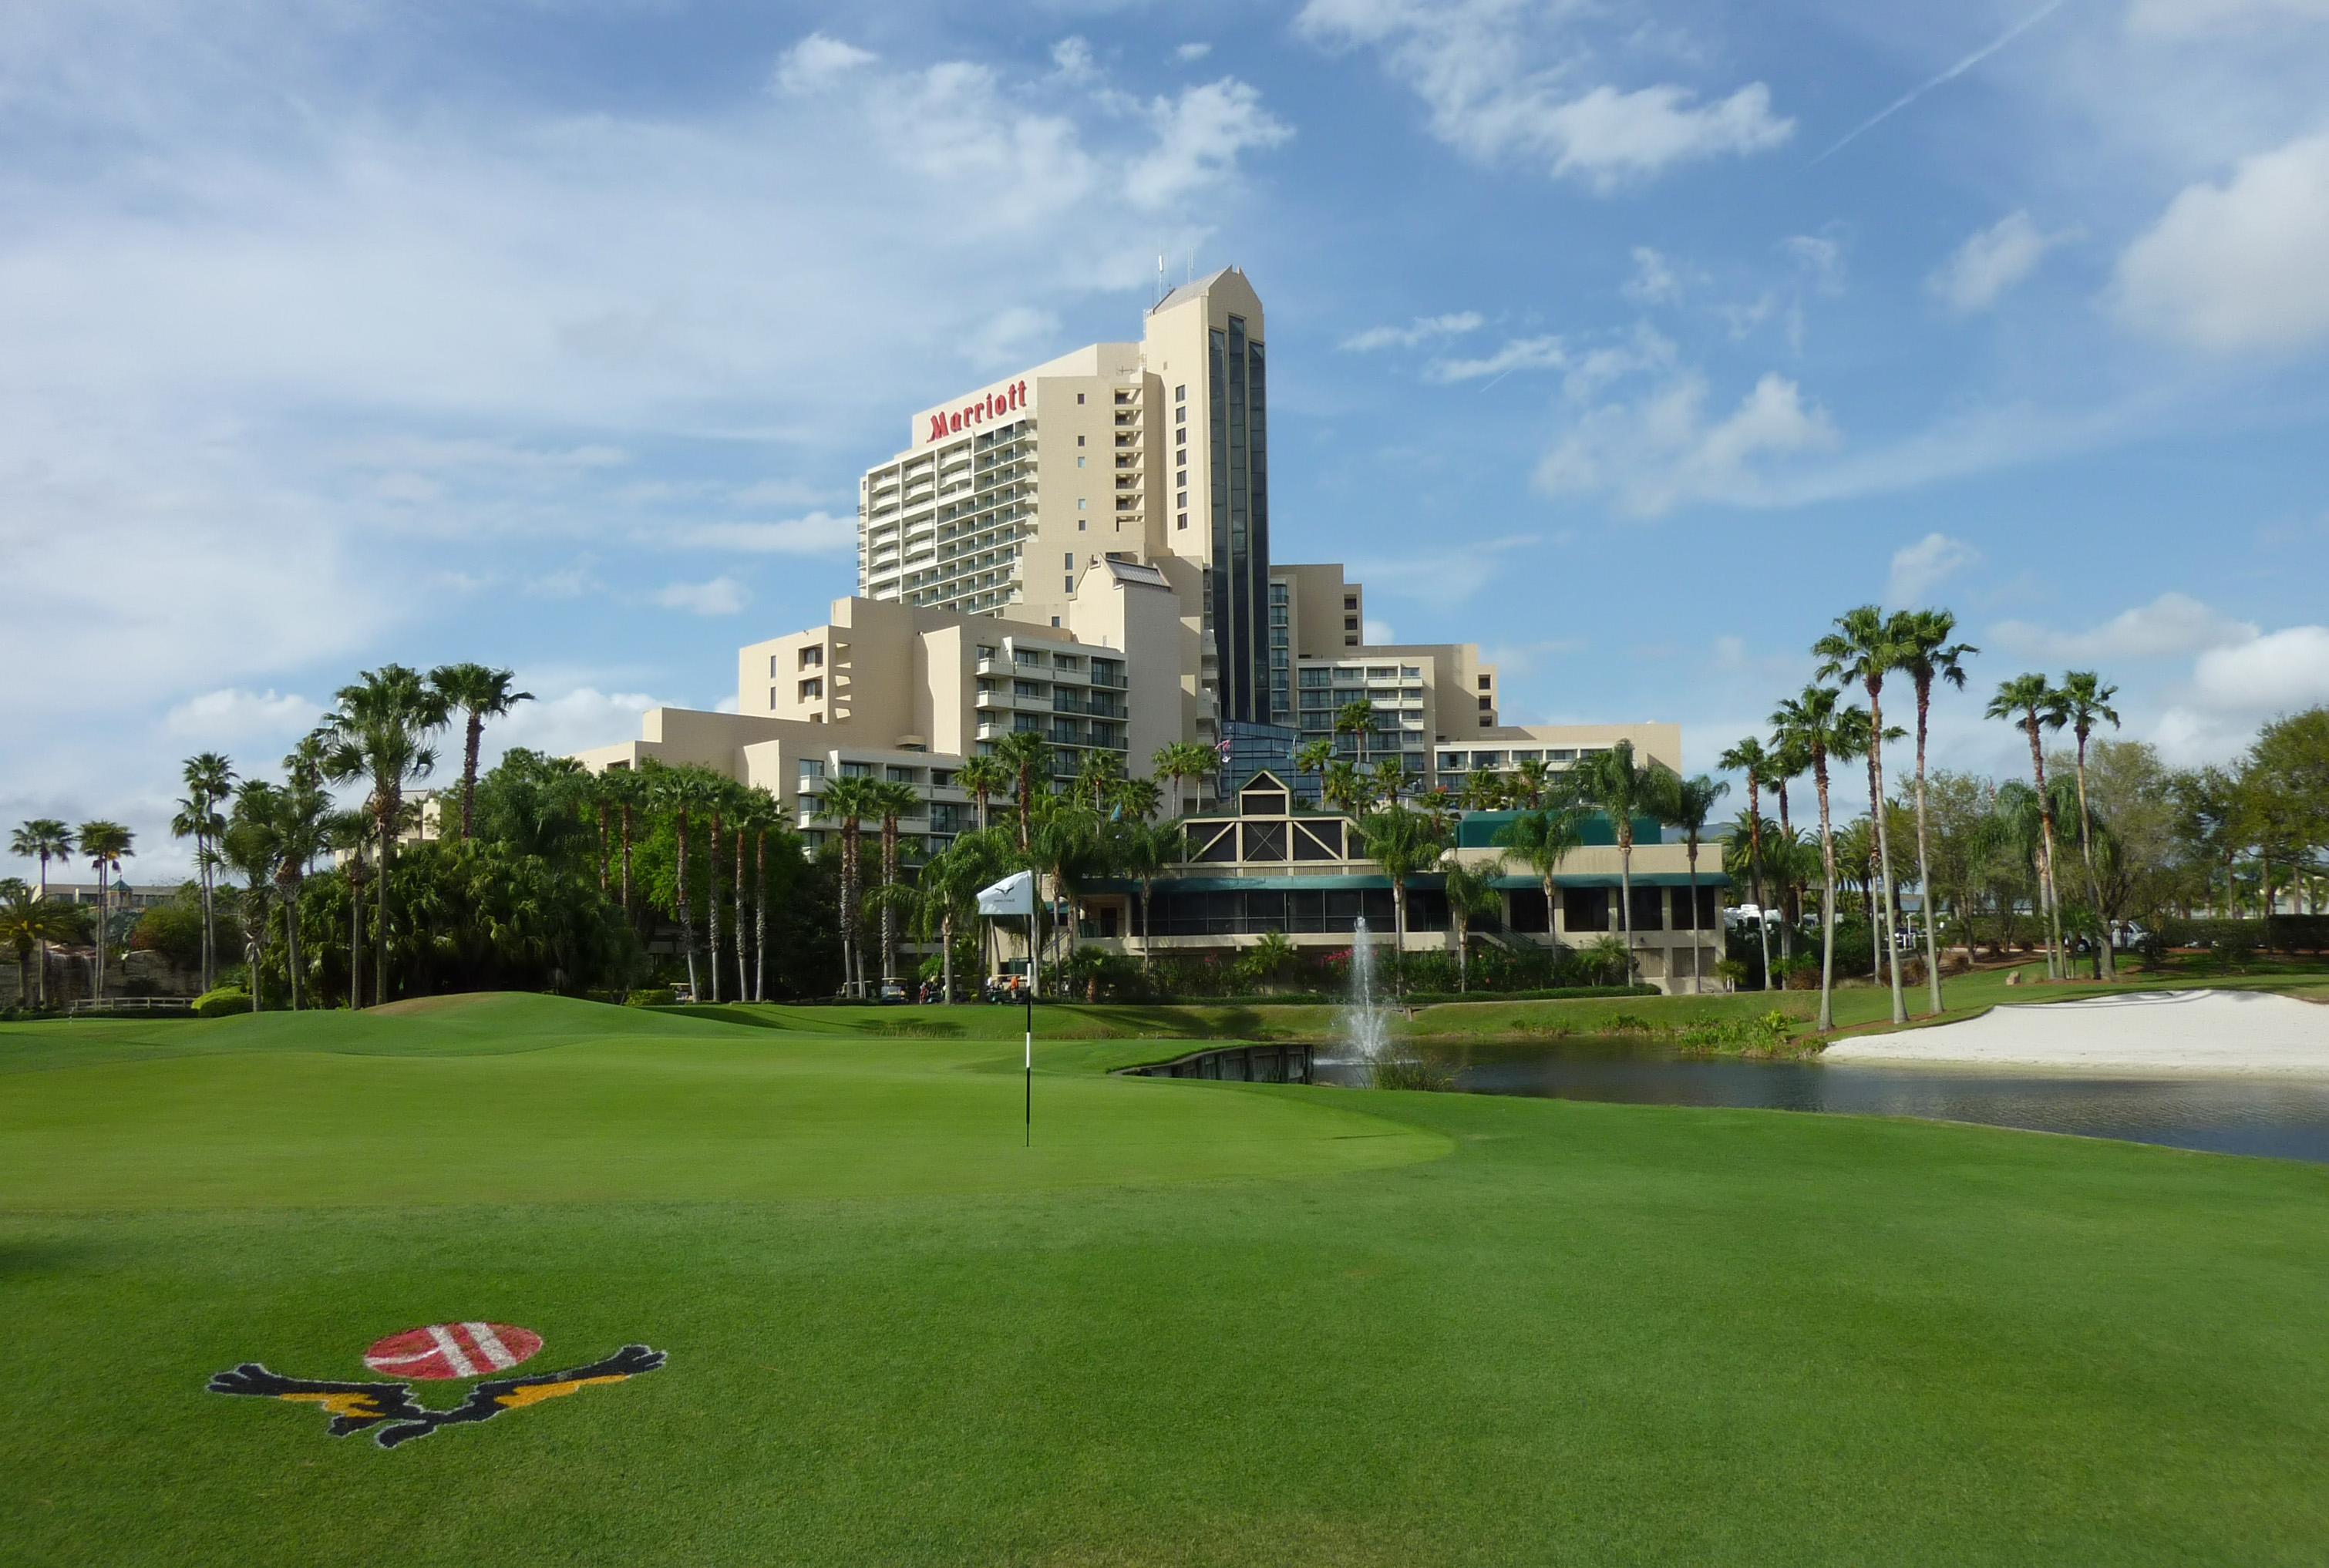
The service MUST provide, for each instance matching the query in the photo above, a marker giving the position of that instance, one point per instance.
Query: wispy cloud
(1661, 450)
(1992, 261)
(723, 595)
(817, 534)
(1917, 568)
(2173, 624)
(1424, 328)
(1520, 353)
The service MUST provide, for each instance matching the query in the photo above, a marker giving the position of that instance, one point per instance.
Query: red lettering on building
(993, 405)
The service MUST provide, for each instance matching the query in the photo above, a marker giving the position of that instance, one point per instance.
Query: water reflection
(2289, 1119)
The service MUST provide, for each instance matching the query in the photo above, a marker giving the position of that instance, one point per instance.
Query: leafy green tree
(1543, 839)
(1359, 720)
(29, 921)
(1142, 850)
(2029, 702)
(1028, 757)
(984, 777)
(1613, 783)
(1405, 843)
(1926, 655)
(1812, 723)
(1391, 781)
(2086, 703)
(1472, 892)
(1865, 648)
(893, 801)
(1689, 803)
(480, 693)
(43, 838)
(210, 779)
(1063, 848)
(1184, 762)
(104, 843)
(1138, 799)
(379, 731)
(1344, 787)
(1098, 779)
(849, 801)
(680, 796)
(1748, 758)
(1314, 757)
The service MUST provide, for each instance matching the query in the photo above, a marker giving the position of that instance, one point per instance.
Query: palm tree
(1344, 788)
(1066, 835)
(1612, 783)
(104, 844)
(1531, 779)
(1314, 757)
(1749, 758)
(43, 838)
(714, 807)
(481, 694)
(950, 881)
(1028, 756)
(1184, 762)
(1862, 648)
(1482, 792)
(2028, 701)
(624, 791)
(1857, 734)
(1389, 780)
(1811, 722)
(1689, 803)
(1471, 890)
(380, 731)
(1405, 843)
(1141, 850)
(681, 792)
(1098, 776)
(1543, 838)
(349, 832)
(756, 812)
(29, 921)
(892, 800)
(1926, 655)
(984, 776)
(849, 801)
(1138, 799)
(2085, 700)
(210, 779)
(279, 832)
(1357, 718)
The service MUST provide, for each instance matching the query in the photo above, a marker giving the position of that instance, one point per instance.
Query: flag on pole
(1014, 895)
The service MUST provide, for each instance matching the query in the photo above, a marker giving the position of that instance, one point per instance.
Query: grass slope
(1580, 1333)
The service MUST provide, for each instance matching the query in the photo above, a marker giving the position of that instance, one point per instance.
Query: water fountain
(1366, 1024)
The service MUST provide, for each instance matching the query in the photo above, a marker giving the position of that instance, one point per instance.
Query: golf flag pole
(1015, 895)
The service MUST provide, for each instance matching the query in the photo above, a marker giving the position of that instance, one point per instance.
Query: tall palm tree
(2029, 702)
(350, 832)
(1858, 734)
(892, 801)
(1811, 722)
(1543, 838)
(1862, 648)
(1357, 718)
(756, 812)
(1614, 784)
(983, 778)
(625, 792)
(1471, 890)
(679, 793)
(1028, 757)
(849, 801)
(379, 730)
(43, 838)
(1532, 777)
(1098, 776)
(1389, 780)
(480, 693)
(1748, 758)
(1689, 803)
(210, 779)
(1142, 850)
(1926, 655)
(1405, 843)
(949, 881)
(104, 843)
(1067, 836)
(2086, 701)
(279, 831)
(1138, 799)
(1344, 787)
(29, 921)
(1184, 762)
(1789, 762)
(1314, 757)
(712, 805)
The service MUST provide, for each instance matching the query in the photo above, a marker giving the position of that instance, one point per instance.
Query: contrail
(1951, 74)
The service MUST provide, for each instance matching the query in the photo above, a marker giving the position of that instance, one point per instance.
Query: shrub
(651, 996)
(223, 1003)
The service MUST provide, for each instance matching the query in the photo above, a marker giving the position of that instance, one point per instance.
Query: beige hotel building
(1083, 549)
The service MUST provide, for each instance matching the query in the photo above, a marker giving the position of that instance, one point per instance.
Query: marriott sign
(970, 416)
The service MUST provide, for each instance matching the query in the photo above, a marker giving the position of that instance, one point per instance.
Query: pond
(2288, 1119)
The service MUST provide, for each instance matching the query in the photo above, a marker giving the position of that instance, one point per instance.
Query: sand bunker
(2244, 1032)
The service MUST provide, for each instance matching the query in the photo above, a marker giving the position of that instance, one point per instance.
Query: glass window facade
(1240, 521)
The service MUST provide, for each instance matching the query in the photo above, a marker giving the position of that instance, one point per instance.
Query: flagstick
(1029, 1140)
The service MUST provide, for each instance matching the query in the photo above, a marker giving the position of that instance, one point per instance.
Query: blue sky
(1614, 337)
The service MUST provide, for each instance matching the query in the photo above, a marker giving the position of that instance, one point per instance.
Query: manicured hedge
(2274, 934)
(225, 1002)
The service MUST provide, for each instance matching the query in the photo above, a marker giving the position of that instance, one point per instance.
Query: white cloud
(2211, 18)
(1378, 633)
(235, 714)
(1917, 568)
(2240, 265)
(1520, 353)
(1444, 577)
(1199, 136)
(1992, 261)
(817, 62)
(1073, 58)
(1654, 281)
(2276, 673)
(814, 535)
(1818, 257)
(1660, 450)
(1010, 338)
(2172, 626)
(571, 721)
(1499, 81)
(723, 595)
(1425, 327)
(1190, 52)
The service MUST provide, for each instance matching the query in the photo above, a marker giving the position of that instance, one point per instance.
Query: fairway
(1195, 1324)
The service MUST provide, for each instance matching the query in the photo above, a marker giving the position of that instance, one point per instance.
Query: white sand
(2237, 1032)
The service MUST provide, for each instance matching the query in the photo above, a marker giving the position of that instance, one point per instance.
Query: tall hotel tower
(1154, 453)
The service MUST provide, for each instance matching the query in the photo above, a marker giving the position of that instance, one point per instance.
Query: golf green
(1195, 1324)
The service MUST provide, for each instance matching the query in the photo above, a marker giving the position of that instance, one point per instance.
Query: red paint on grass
(449, 1350)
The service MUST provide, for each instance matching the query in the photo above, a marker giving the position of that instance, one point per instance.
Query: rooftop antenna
(1161, 290)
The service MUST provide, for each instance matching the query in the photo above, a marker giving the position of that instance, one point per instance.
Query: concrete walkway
(2176, 1031)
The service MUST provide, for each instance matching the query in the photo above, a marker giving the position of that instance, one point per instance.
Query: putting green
(1210, 1325)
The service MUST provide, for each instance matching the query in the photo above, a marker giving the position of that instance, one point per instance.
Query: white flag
(1014, 895)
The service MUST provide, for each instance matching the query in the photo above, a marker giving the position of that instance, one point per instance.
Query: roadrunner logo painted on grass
(441, 1351)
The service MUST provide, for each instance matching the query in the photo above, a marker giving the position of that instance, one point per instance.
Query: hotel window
(1350, 623)
(1080, 398)
(1483, 683)
(1486, 704)
(772, 667)
(1181, 394)
(1080, 440)
(1070, 587)
(1180, 497)
(812, 687)
(1349, 601)
(1181, 437)
(772, 699)
(811, 658)
(1182, 522)
(1079, 462)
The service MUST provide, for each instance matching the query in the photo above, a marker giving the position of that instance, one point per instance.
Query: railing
(90, 1006)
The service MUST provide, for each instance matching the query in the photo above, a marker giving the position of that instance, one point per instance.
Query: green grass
(1197, 1324)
